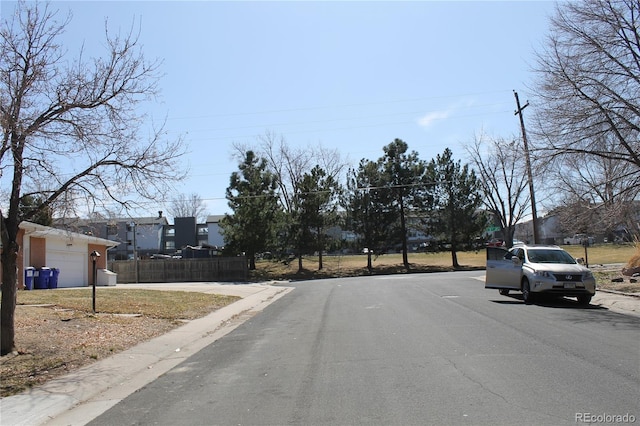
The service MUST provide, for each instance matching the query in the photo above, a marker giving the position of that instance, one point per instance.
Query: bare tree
(598, 194)
(588, 86)
(188, 206)
(289, 165)
(70, 130)
(588, 111)
(503, 181)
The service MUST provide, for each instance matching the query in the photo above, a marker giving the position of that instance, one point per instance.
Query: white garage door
(72, 266)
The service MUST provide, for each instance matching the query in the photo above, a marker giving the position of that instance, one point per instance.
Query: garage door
(72, 266)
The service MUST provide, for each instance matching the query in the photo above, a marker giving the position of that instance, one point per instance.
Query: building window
(170, 245)
(203, 231)
(112, 229)
(169, 232)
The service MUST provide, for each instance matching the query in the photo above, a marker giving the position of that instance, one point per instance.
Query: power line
(332, 107)
(324, 130)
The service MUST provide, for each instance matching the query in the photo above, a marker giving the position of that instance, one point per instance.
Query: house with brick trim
(68, 252)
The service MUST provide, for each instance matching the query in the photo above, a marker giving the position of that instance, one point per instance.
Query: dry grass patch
(602, 254)
(171, 305)
(356, 265)
(57, 331)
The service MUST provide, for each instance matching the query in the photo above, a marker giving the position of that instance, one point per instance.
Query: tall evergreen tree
(289, 165)
(404, 174)
(318, 194)
(369, 208)
(256, 212)
(457, 198)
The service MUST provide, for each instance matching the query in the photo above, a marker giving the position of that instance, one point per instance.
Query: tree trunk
(452, 224)
(508, 237)
(320, 246)
(403, 231)
(9, 293)
(454, 257)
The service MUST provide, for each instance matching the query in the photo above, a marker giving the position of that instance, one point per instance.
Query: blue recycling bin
(28, 277)
(41, 281)
(53, 278)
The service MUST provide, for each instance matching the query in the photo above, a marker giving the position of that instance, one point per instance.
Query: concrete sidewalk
(84, 394)
(628, 304)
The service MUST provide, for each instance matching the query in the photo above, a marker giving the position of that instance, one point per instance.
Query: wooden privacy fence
(181, 270)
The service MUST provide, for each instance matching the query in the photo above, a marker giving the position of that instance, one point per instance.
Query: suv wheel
(584, 299)
(527, 296)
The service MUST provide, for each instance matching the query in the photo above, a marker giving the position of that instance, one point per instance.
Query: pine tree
(456, 200)
(404, 174)
(317, 195)
(369, 208)
(252, 227)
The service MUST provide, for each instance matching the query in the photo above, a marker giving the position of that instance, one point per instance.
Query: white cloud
(431, 117)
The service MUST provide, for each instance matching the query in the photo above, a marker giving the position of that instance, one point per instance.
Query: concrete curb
(620, 293)
(82, 395)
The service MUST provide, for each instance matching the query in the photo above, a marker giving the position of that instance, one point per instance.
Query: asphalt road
(400, 350)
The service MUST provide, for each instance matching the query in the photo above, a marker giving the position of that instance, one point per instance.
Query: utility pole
(534, 212)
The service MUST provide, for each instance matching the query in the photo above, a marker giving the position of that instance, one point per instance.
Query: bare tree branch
(589, 81)
(190, 205)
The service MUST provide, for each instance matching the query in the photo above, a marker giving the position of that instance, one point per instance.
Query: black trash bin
(41, 281)
(53, 278)
(28, 277)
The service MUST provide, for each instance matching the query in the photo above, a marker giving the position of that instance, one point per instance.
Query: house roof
(41, 231)
(76, 221)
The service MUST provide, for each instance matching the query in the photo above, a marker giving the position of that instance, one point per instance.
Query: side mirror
(580, 260)
(515, 260)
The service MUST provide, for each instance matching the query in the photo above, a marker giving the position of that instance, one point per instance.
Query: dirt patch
(615, 280)
(56, 331)
(52, 341)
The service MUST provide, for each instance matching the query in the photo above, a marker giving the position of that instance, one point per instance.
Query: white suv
(538, 269)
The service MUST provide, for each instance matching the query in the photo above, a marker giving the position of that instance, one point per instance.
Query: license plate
(569, 285)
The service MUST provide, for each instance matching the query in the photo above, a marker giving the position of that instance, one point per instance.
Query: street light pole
(94, 256)
(133, 227)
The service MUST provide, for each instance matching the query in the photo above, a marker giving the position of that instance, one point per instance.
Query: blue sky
(347, 75)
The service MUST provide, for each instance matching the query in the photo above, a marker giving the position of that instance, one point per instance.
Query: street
(401, 350)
